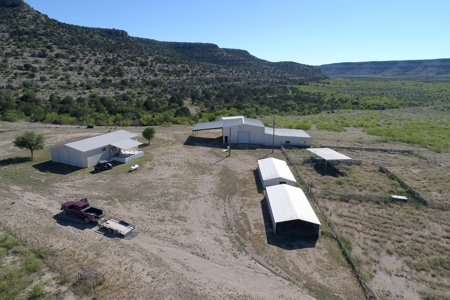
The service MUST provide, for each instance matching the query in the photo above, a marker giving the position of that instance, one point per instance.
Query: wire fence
(369, 291)
(81, 281)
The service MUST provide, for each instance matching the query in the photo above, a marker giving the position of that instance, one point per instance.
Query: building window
(303, 141)
(287, 142)
(104, 149)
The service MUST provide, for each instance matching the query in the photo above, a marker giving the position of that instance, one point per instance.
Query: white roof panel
(328, 154)
(287, 132)
(271, 168)
(208, 126)
(101, 140)
(289, 203)
(126, 144)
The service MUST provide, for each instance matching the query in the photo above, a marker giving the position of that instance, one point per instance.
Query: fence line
(418, 153)
(334, 230)
(69, 274)
(369, 291)
(369, 149)
(404, 185)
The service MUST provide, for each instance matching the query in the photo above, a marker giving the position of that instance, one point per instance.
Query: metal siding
(243, 137)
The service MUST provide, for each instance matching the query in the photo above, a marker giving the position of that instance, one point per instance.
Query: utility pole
(229, 144)
(273, 135)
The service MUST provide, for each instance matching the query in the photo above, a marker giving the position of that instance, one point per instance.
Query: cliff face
(420, 69)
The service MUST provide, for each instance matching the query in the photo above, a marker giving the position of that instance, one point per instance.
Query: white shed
(87, 152)
(274, 171)
(290, 211)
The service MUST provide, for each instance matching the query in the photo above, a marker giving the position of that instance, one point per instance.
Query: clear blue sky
(311, 32)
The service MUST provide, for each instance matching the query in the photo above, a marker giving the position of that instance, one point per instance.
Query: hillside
(66, 74)
(435, 69)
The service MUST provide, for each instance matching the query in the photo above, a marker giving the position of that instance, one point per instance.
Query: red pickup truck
(82, 209)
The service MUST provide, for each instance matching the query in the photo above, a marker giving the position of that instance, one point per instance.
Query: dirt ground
(201, 217)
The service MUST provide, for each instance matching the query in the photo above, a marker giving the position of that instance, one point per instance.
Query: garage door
(243, 137)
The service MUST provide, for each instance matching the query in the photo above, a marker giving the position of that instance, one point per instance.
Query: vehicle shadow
(106, 233)
(14, 161)
(73, 221)
(55, 168)
(287, 241)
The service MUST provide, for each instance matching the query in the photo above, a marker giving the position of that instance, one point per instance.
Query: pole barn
(290, 211)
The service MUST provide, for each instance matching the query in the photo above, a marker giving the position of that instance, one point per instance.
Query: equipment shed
(274, 171)
(290, 211)
(241, 130)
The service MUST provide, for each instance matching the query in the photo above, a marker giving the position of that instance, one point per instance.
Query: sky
(312, 32)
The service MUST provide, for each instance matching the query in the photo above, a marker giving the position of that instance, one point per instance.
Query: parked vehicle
(103, 165)
(116, 226)
(134, 167)
(82, 209)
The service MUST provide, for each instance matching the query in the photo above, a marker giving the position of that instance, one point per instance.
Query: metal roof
(126, 144)
(271, 168)
(227, 122)
(208, 126)
(289, 203)
(328, 154)
(287, 132)
(101, 140)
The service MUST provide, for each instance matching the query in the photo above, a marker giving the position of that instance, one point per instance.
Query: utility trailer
(116, 226)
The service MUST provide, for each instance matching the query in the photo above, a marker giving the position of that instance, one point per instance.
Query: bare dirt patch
(202, 221)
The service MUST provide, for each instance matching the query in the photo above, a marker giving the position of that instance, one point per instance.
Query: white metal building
(241, 130)
(274, 171)
(289, 208)
(118, 145)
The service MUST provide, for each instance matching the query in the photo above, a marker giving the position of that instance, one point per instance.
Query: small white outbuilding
(274, 171)
(290, 209)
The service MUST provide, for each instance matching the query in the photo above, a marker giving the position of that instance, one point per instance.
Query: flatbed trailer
(116, 226)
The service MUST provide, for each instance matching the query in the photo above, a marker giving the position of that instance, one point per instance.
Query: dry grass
(402, 247)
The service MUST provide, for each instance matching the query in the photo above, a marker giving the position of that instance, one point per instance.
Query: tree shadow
(294, 236)
(73, 221)
(14, 161)
(259, 186)
(54, 167)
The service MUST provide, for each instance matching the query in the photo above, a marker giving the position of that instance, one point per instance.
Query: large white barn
(241, 130)
(290, 211)
(274, 171)
(118, 145)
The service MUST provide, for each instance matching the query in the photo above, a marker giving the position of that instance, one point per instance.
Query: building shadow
(217, 143)
(259, 186)
(54, 167)
(14, 161)
(326, 169)
(73, 221)
(205, 142)
(288, 238)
